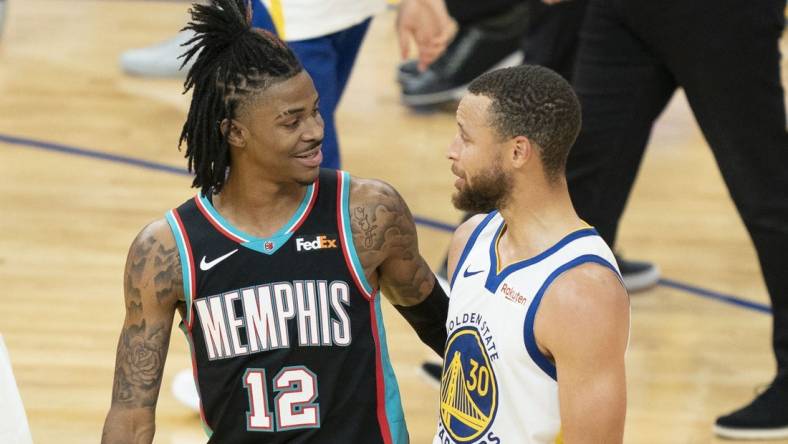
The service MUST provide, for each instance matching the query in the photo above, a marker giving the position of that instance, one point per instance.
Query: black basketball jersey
(286, 334)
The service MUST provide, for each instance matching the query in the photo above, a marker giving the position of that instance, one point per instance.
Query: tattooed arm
(384, 235)
(153, 288)
(385, 238)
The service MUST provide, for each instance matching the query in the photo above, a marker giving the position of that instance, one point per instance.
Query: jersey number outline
(294, 405)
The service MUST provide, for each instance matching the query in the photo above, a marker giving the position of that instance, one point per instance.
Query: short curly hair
(535, 102)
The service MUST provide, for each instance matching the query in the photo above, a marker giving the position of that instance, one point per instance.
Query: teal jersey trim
(348, 235)
(394, 413)
(268, 245)
(186, 261)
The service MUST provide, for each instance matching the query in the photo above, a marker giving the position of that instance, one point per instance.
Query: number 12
(295, 409)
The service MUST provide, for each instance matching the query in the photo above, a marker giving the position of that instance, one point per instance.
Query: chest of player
(497, 316)
(246, 294)
(308, 255)
(302, 294)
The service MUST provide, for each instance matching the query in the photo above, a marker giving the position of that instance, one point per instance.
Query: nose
(454, 148)
(314, 128)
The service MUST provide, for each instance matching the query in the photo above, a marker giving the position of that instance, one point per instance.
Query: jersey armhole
(187, 263)
(469, 245)
(528, 329)
(346, 236)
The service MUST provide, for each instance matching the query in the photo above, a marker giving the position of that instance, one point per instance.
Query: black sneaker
(477, 48)
(638, 275)
(406, 70)
(766, 417)
(433, 371)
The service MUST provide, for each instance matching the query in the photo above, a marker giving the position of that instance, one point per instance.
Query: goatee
(490, 191)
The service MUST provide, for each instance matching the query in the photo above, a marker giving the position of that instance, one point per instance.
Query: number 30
(295, 409)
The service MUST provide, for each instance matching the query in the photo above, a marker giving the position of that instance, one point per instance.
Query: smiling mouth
(311, 154)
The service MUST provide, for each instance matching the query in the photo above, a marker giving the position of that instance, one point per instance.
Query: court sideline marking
(735, 301)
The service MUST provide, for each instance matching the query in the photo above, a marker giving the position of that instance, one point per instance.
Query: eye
(315, 111)
(292, 125)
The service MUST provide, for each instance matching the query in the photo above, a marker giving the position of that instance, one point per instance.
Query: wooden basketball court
(84, 157)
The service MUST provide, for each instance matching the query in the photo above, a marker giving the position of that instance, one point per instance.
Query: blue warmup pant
(328, 60)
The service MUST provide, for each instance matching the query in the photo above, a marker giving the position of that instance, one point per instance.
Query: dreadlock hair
(535, 102)
(234, 62)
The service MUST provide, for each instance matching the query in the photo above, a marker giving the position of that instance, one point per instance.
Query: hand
(429, 25)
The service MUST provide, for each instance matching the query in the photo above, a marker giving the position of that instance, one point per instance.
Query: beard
(489, 192)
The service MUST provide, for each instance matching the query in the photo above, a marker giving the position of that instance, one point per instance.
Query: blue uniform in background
(328, 59)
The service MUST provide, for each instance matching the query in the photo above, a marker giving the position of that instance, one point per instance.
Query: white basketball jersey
(497, 387)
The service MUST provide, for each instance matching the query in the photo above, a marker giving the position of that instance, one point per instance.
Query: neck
(537, 216)
(257, 205)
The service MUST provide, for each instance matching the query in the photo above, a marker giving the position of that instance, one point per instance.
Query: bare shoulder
(589, 284)
(380, 221)
(586, 290)
(464, 231)
(153, 265)
(374, 192)
(590, 298)
(155, 233)
(461, 236)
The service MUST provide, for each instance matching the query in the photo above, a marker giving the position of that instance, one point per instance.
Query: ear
(523, 150)
(235, 132)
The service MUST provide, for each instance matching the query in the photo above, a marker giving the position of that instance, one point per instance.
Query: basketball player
(538, 318)
(275, 266)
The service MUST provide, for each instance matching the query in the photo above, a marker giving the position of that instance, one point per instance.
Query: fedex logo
(319, 243)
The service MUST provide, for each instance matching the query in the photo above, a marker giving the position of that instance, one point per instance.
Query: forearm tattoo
(140, 361)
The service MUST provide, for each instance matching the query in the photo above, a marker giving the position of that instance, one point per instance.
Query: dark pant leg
(728, 63)
(329, 60)
(347, 44)
(553, 35)
(470, 11)
(622, 88)
(320, 60)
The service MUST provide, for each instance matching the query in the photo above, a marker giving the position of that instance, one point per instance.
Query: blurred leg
(553, 35)
(735, 92)
(320, 59)
(622, 88)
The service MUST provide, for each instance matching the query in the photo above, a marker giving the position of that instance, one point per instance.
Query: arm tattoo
(384, 235)
(138, 257)
(153, 288)
(169, 280)
(362, 219)
(140, 363)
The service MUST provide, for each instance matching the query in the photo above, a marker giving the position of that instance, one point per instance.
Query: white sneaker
(159, 60)
(185, 390)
